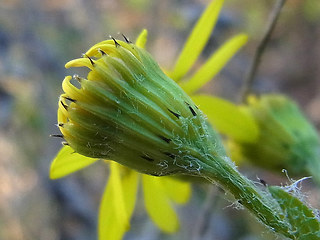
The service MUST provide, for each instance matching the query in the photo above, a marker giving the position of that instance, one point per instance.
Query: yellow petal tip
(79, 62)
(142, 38)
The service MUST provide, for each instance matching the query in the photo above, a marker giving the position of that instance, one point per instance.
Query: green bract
(129, 111)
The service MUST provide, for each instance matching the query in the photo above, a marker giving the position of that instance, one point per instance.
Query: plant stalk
(250, 76)
(259, 203)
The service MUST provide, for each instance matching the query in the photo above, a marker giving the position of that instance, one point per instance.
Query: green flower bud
(129, 111)
(286, 141)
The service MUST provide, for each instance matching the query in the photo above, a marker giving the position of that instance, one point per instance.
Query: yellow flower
(116, 207)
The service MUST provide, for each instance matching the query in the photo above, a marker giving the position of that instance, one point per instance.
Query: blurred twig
(260, 49)
(206, 208)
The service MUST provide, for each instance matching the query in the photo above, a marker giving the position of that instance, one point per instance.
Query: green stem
(259, 203)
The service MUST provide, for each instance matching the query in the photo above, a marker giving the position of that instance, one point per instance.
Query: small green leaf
(197, 40)
(158, 204)
(228, 118)
(304, 224)
(68, 161)
(215, 63)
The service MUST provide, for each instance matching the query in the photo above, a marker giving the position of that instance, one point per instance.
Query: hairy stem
(259, 203)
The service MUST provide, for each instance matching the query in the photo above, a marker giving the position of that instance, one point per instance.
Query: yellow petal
(142, 38)
(113, 219)
(79, 62)
(177, 190)
(73, 92)
(197, 40)
(67, 161)
(130, 179)
(215, 63)
(62, 113)
(235, 152)
(158, 205)
(228, 118)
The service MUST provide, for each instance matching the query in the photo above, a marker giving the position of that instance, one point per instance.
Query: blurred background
(37, 37)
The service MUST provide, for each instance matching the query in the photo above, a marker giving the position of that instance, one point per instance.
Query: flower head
(119, 198)
(286, 138)
(129, 111)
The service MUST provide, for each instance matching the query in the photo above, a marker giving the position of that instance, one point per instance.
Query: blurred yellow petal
(197, 40)
(158, 204)
(215, 63)
(67, 161)
(142, 38)
(234, 151)
(228, 118)
(113, 217)
(130, 179)
(177, 190)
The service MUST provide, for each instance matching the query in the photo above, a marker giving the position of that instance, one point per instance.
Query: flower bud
(129, 111)
(286, 141)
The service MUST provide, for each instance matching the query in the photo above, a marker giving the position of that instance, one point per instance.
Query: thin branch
(260, 49)
(204, 212)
